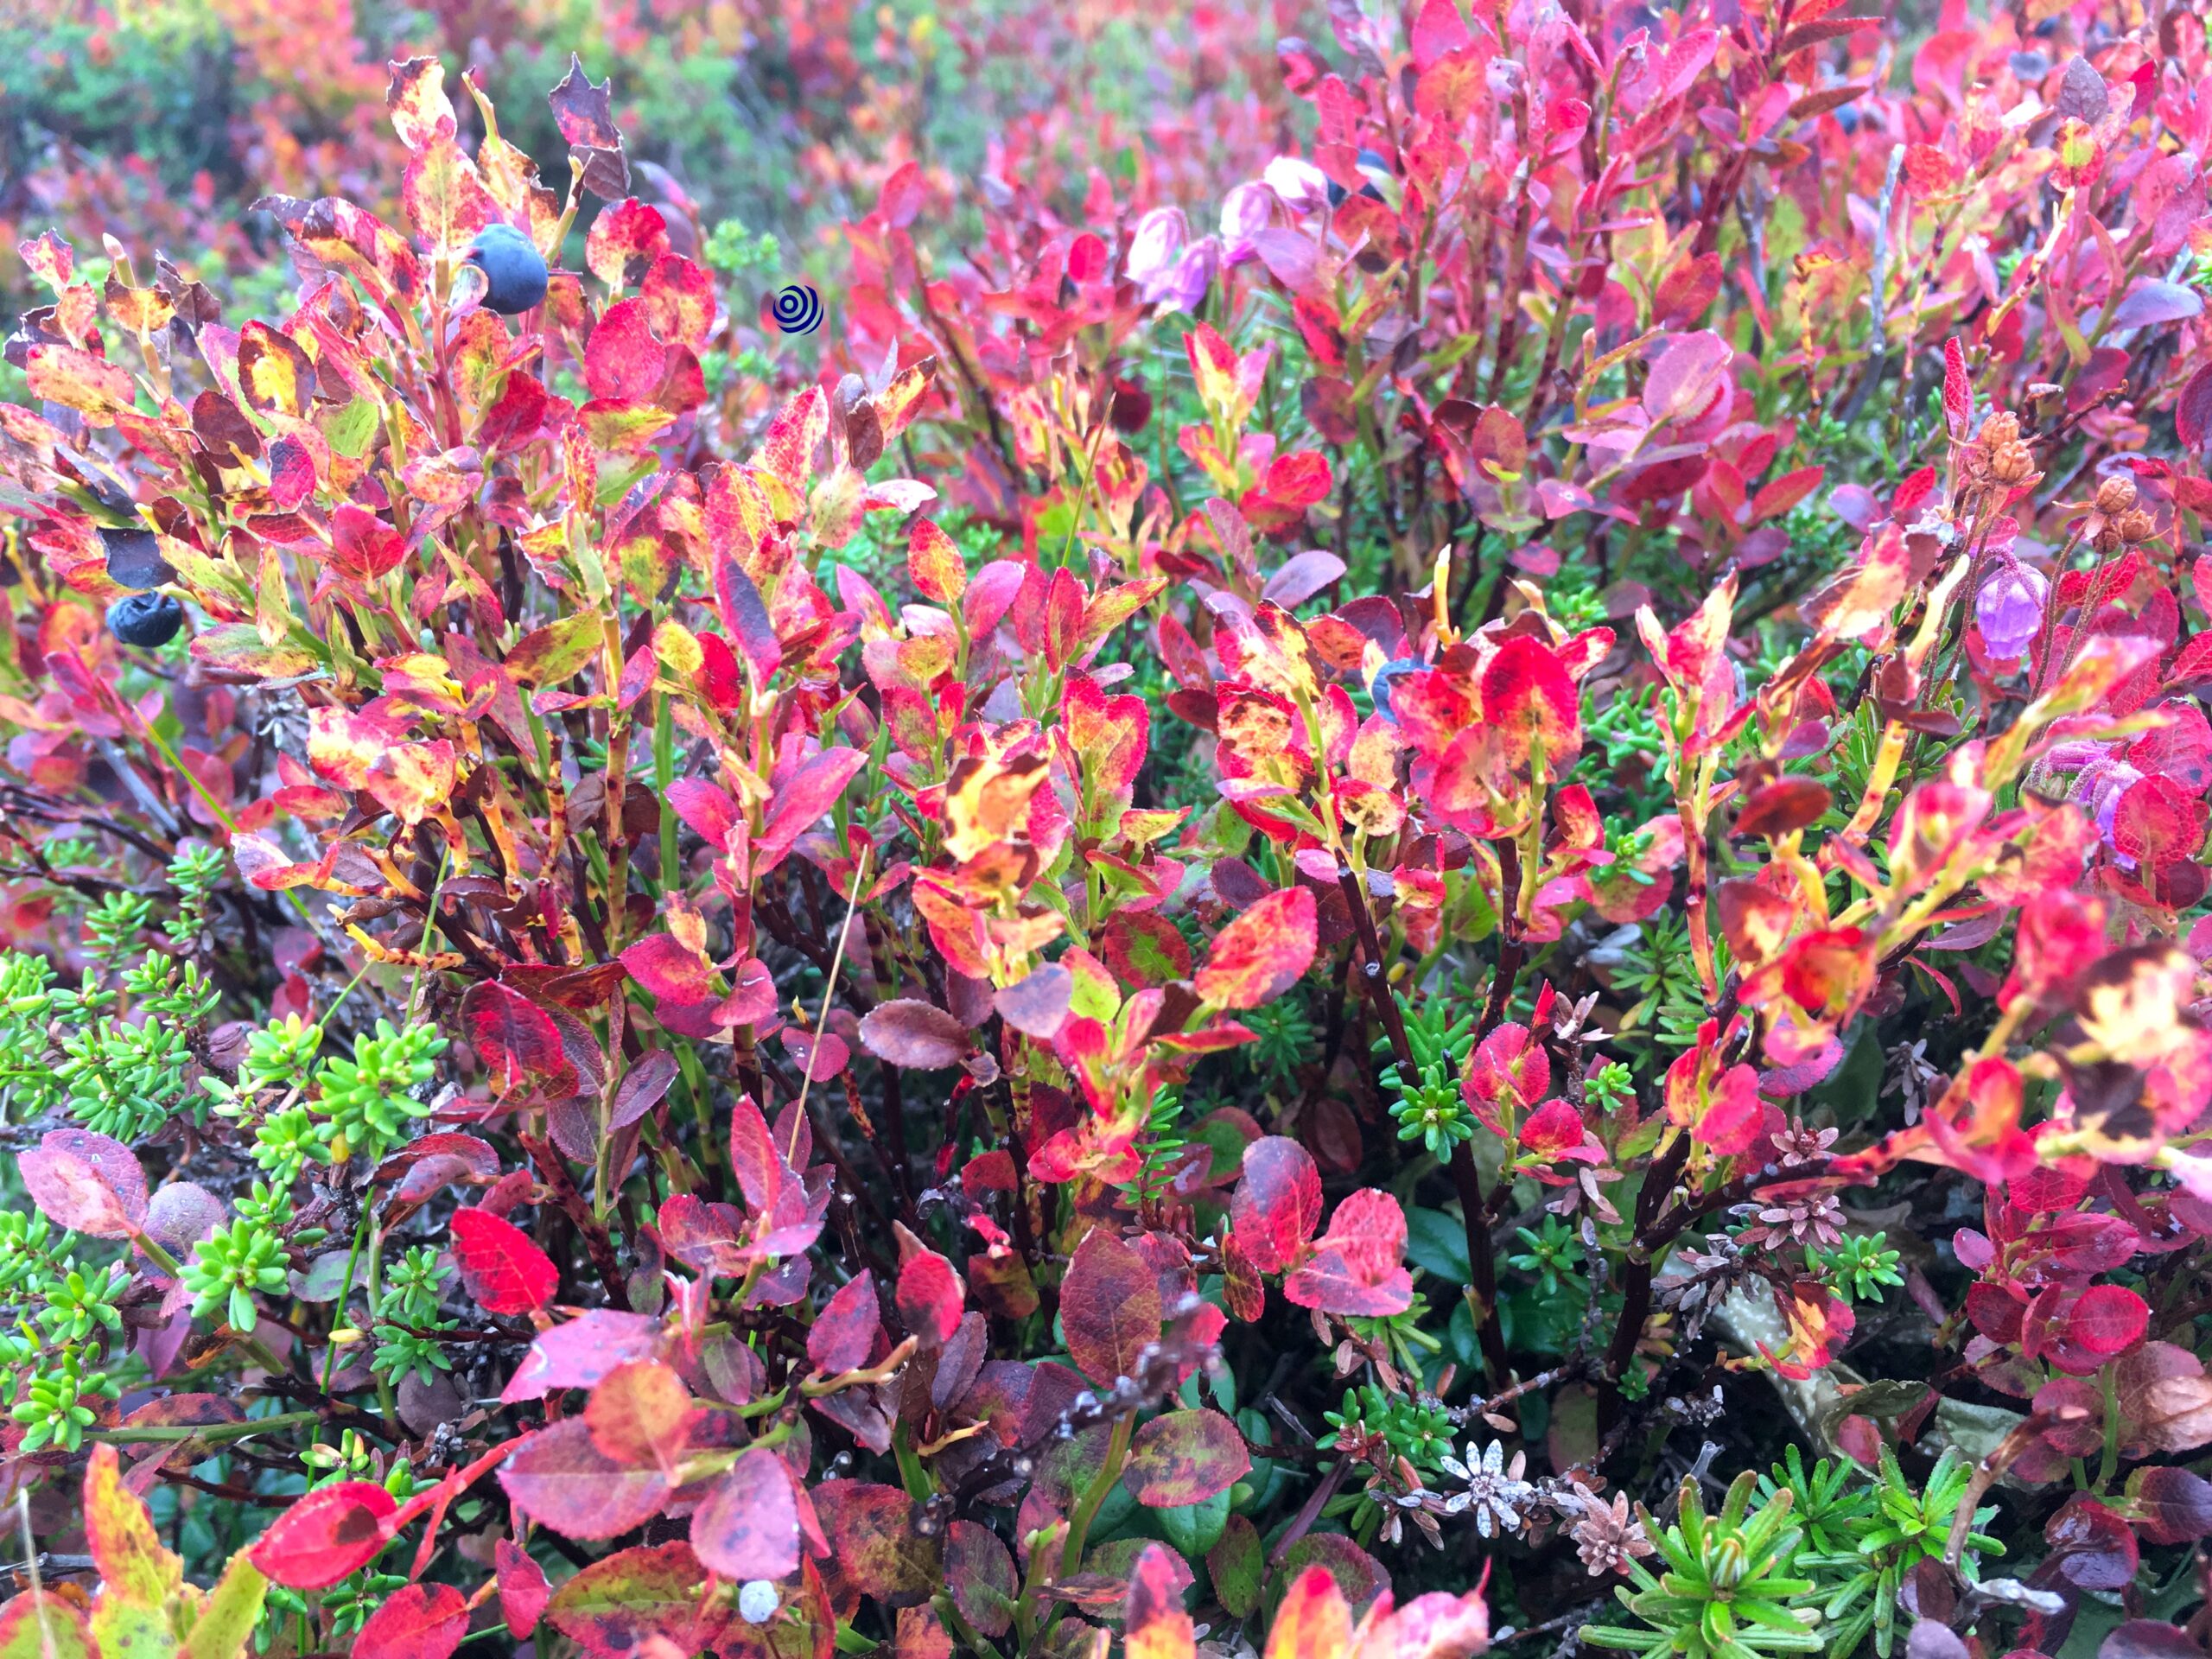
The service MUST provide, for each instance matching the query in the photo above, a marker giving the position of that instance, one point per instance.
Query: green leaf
(1238, 1565)
(1437, 1243)
(227, 1621)
(1194, 1528)
(41, 1625)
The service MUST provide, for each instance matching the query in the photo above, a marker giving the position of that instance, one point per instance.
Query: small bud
(2115, 495)
(2136, 526)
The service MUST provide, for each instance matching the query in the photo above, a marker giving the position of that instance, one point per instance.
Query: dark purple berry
(514, 271)
(147, 620)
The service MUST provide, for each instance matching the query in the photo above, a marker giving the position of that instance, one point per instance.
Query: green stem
(211, 1433)
(352, 1260)
(663, 775)
(1094, 1495)
(154, 1253)
(384, 1402)
(2108, 1466)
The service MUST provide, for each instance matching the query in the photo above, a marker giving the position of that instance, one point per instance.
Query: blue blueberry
(148, 620)
(514, 271)
(1383, 676)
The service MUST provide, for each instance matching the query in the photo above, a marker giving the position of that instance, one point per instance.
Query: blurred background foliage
(168, 118)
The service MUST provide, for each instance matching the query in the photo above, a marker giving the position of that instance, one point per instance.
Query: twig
(46, 1562)
(1310, 1511)
(829, 988)
(554, 1171)
(1581, 1614)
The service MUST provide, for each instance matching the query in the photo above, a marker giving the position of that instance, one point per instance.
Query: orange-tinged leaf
(94, 387)
(1263, 953)
(624, 240)
(934, 560)
(414, 780)
(1156, 1624)
(1314, 1620)
(135, 1568)
(641, 1414)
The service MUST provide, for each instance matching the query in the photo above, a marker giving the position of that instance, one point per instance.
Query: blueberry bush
(1413, 862)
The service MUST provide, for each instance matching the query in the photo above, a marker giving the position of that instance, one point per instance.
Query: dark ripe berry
(1384, 678)
(514, 271)
(148, 620)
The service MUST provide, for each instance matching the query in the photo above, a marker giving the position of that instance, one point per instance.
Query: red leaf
(327, 1535)
(523, 1588)
(2193, 410)
(1110, 1307)
(1261, 954)
(559, 1477)
(843, 1333)
(1154, 1620)
(623, 359)
(907, 1031)
(1957, 391)
(1785, 804)
(2108, 1319)
(929, 1297)
(670, 970)
(746, 616)
(642, 1087)
(1528, 698)
(873, 1544)
(502, 1269)
(419, 1621)
(1038, 1005)
(85, 1182)
(1277, 1204)
(2170, 1506)
(980, 1575)
(651, 1600)
(1357, 1266)
(1184, 1457)
(801, 799)
(748, 1527)
(516, 1039)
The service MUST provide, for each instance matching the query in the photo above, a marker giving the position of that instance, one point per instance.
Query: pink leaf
(86, 1183)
